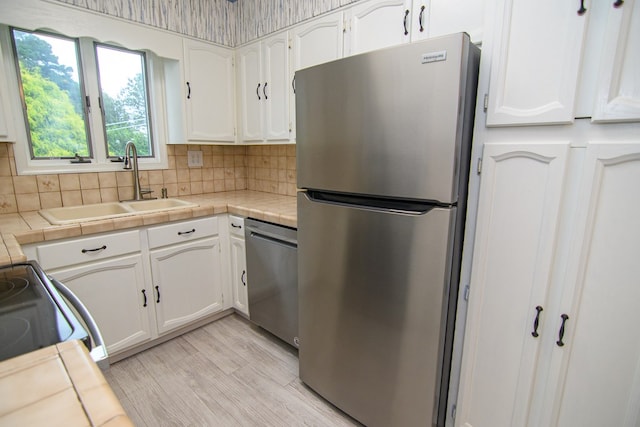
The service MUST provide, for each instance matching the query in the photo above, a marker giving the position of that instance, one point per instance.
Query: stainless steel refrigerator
(383, 142)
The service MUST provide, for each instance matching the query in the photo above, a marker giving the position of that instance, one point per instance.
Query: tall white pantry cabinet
(550, 335)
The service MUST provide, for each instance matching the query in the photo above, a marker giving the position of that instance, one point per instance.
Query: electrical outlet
(194, 159)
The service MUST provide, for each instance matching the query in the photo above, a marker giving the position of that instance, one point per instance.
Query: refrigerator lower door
(373, 287)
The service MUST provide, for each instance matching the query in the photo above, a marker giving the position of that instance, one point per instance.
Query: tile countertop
(29, 227)
(57, 385)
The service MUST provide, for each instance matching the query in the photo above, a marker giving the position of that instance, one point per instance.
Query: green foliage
(36, 54)
(56, 129)
(126, 118)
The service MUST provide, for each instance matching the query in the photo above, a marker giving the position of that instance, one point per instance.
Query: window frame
(81, 86)
(145, 73)
(155, 81)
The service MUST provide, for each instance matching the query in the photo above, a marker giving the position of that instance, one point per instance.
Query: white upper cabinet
(535, 63)
(378, 24)
(618, 87)
(313, 43)
(432, 18)
(250, 83)
(263, 88)
(551, 63)
(209, 92)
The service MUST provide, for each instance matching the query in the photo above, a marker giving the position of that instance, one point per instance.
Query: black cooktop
(33, 315)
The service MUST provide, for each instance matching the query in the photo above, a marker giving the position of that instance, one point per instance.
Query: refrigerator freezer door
(373, 286)
(393, 123)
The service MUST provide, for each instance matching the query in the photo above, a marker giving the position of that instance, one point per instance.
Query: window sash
(146, 116)
(55, 103)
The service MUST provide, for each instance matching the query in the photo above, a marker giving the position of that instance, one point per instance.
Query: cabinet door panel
(239, 274)
(210, 95)
(534, 70)
(618, 92)
(379, 24)
(453, 16)
(276, 89)
(518, 213)
(318, 42)
(251, 96)
(189, 282)
(112, 292)
(601, 358)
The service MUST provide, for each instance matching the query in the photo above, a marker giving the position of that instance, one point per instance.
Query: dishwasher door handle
(272, 238)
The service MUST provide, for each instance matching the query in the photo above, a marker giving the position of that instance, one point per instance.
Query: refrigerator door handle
(374, 203)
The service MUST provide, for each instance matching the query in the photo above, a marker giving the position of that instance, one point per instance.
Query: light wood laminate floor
(226, 373)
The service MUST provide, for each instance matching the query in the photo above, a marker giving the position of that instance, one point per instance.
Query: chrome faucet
(131, 156)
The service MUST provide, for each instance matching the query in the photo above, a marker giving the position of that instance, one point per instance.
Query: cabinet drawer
(182, 231)
(87, 249)
(236, 225)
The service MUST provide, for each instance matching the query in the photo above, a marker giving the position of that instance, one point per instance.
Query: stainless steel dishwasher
(272, 278)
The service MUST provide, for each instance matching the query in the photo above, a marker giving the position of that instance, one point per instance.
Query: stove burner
(13, 287)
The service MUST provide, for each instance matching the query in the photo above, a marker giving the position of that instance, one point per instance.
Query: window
(82, 98)
(123, 92)
(52, 95)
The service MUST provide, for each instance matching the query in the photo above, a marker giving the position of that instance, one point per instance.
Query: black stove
(33, 315)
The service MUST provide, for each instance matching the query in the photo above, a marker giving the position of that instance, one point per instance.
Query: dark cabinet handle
(101, 248)
(406, 15)
(158, 292)
(536, 322)
(561, 334)
(188, 91)
(258, 91)
(618, 3)
(244, 272)
(582, 9)
(236, 226)
(421, 17)
(180, 233)
(264, 90)
(293, 84)
(144, 294)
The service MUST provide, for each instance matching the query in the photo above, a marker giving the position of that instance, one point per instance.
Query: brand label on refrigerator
(434, 56)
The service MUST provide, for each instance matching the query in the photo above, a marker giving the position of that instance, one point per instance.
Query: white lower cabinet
(550, 336)
(141, 284)
(238, 260)
(115, 293)
(107, 273)
(186, 272)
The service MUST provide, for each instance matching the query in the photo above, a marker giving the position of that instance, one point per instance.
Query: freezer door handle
(374, 203)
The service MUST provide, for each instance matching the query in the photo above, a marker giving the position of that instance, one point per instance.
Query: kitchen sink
(157, 205)
(71, 214)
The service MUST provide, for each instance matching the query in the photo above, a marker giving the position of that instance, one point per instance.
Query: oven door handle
(99, 349)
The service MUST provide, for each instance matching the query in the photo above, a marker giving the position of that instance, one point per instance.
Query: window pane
(123, 89)
(52, 94)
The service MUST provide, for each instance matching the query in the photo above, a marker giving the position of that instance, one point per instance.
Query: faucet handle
(127, 163)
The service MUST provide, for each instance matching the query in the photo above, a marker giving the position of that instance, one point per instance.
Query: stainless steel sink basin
(71, 214)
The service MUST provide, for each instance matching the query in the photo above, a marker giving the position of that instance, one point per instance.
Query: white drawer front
(236, 225)
(182, 231)
(87, 249)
